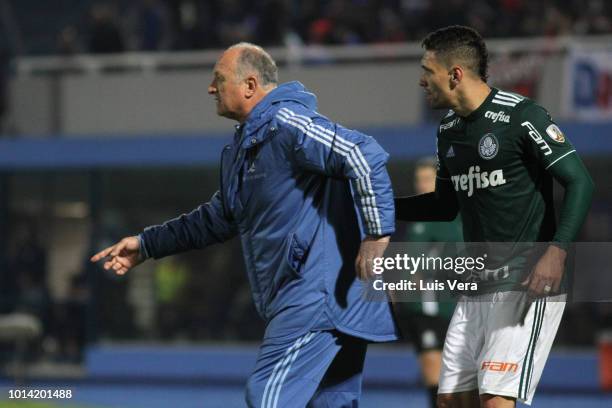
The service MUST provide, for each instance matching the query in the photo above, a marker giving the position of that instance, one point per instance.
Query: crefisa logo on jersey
(476, 180)
(498, 116)
(488, 146)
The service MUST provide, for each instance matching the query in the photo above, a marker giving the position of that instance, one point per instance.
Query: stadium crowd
(104, 26)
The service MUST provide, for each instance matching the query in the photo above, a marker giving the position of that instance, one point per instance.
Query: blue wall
(388, 367)
(590, 139)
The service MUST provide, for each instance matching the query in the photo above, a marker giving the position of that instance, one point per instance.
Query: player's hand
(122, 256)
(371, 247)
(545, 277)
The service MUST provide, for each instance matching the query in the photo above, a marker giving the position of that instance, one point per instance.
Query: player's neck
(471, 97)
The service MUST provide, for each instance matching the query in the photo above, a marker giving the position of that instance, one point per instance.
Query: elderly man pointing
(313, 205)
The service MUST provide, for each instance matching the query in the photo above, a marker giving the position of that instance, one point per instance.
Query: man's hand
(124, 255)
(545, 277)
(371, 247)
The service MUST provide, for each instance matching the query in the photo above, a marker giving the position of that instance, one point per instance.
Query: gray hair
(255, 60)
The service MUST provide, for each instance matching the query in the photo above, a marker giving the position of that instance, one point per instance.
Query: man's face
(435, 80)
(226, 87)
(425, 180)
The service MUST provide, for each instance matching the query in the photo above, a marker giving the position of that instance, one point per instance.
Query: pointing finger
(119, 247)
(102, 254)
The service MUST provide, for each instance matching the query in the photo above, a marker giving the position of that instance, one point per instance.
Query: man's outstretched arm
(204, 226)
(440, 205)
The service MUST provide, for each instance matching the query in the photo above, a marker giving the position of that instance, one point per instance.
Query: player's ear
(455, 76)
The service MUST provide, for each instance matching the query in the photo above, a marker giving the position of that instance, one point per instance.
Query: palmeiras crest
(488, 146)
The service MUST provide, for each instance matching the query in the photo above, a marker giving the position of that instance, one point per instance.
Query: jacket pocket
(297, 252)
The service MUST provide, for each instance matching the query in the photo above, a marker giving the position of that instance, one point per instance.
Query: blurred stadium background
(106, 128)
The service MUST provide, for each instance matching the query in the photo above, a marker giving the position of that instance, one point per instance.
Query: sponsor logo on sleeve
(535, 135)
(555, 133)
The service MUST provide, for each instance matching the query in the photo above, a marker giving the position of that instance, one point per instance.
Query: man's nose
(212, 89)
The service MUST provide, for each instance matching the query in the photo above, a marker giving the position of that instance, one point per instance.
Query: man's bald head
(254, 60)
(242, 77)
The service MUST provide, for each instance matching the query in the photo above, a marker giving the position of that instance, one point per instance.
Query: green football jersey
(497, 160)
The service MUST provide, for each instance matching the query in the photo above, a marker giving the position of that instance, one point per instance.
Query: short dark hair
(255, 59)
(463, 43)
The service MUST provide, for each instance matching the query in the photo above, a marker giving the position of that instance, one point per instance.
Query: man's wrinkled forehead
(224, 64)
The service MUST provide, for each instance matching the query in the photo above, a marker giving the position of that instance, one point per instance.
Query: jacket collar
(264, 112)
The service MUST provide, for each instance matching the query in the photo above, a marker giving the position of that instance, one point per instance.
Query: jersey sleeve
(545, 141)
(542, 138)
(575, 178)
(442, 171)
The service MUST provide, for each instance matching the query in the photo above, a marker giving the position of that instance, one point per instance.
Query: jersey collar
(479, 110)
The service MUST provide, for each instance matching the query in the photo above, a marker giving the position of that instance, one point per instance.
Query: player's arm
(322, 147)
(441, 205)
(204, 226)
(546, 143)
(571, 173)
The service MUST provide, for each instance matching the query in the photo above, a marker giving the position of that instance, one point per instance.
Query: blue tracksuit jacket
(302, 192)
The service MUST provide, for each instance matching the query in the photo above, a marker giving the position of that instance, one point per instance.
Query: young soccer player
(498, 153)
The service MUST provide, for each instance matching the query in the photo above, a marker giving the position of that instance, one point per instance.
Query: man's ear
(455, 76)
(251, 86)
